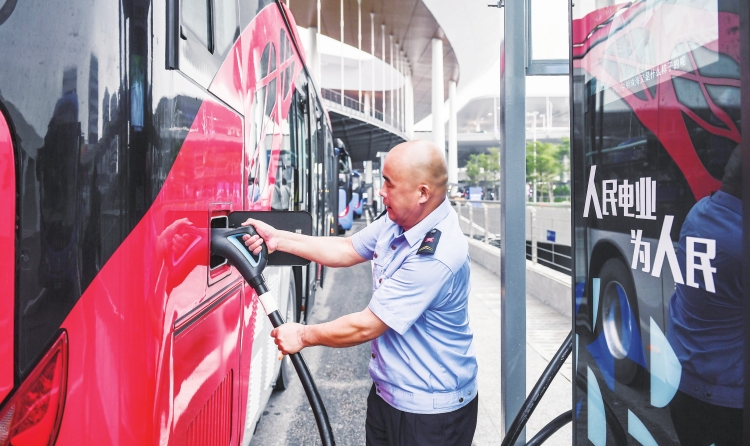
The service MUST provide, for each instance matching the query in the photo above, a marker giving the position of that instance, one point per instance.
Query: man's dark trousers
(388, 426)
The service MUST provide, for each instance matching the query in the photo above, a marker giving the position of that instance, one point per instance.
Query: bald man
(422, 364)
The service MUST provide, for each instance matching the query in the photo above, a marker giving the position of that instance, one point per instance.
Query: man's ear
(424, 193)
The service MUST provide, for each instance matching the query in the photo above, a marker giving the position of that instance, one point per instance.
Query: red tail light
(33, 413)
(343, 213)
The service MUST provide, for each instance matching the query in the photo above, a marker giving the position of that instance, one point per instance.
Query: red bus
(128, 129)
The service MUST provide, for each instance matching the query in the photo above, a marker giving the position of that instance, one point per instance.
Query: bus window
(226, 25)
(196, 16)
(284, 187)
(286, 54)
(300, 136)
(213, 25)
(207, 30)
(265, 125)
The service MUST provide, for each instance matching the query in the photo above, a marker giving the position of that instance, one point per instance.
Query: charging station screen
(657, 222)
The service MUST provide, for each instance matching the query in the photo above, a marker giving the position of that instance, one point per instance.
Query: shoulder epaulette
(430, 242)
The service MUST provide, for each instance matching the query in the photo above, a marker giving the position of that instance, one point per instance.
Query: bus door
(299, 127)
(317, 182)
(208, 304)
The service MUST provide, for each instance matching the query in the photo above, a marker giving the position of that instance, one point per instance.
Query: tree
(547, 167)
(483, 169)
(472, 169)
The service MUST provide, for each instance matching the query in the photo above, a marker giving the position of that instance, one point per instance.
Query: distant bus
(127, 130)
(357, 194)
(345, 191)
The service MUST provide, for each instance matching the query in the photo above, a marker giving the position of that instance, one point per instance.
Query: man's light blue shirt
(424, 362)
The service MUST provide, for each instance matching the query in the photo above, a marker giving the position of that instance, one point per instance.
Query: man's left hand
(289, 337)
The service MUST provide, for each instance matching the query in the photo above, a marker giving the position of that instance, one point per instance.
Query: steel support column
(359, 59)
(382, 77)
(438, 95)
(372, 65)
(408, 106)
(314, 56)
(513, 215)
(397, 91)
(314, 49)
(391, 70)
(453, 136)
(403, 91)
(341, 23)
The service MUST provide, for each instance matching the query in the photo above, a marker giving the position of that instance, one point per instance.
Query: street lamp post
(533, 177)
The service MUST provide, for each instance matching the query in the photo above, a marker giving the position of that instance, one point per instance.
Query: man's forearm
(346, 331)
(328, 251)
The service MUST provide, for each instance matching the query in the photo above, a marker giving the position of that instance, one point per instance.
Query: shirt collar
(417, 232)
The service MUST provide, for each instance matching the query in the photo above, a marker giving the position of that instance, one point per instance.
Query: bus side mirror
(299, 222)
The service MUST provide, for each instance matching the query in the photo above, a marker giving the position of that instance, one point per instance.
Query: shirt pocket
(378, 267)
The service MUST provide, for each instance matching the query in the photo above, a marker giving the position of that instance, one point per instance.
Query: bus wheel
(618, 319)
(286, 371)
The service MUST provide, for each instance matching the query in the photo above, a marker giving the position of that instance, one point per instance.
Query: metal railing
(552, 255)
(353, 104)
(480, 220)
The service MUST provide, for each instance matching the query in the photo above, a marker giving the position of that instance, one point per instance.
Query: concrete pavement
(546, 329)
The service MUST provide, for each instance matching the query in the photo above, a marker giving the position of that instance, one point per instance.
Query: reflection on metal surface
(638, 430)
(604, 360)
(622, 333)
(595, 297)
(597, 425)
(665, 368)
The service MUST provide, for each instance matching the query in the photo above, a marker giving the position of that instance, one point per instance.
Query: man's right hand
(266, 233)
(328, 251)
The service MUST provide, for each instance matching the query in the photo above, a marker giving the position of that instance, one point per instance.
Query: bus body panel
(120, 173)
(7, 255)
(127, 330)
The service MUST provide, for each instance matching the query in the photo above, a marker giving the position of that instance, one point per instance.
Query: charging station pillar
(513, 214)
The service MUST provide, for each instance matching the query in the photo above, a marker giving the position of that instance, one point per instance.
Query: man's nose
(381, 192)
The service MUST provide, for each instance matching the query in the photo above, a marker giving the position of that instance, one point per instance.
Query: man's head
(415, 181)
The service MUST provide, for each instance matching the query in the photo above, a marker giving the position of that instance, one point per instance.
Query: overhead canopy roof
(363, 138)
(409, 21)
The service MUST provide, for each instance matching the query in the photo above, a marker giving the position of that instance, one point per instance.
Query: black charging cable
(536, 395)
(229, 243)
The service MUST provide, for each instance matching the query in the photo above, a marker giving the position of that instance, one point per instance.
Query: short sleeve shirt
(425, 361)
